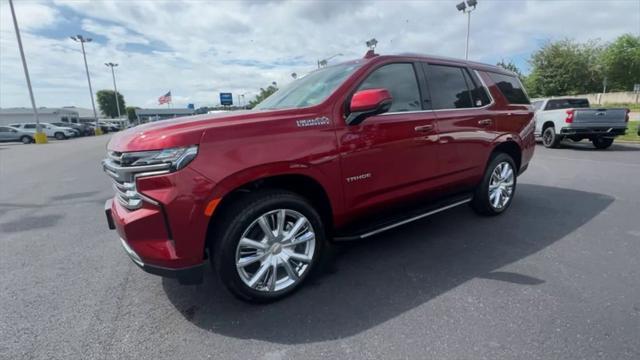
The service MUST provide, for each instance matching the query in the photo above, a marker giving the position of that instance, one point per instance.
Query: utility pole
(82, 40)
(467, 9)
(113, 74)
(40, 137)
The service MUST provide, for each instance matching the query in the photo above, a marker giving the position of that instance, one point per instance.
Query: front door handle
(485, 122)
(424, 128)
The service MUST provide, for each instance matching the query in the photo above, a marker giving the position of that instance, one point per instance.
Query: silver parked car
(8, 133)
(57, 132)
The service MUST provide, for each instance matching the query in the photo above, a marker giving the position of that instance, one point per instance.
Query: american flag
(166, 98)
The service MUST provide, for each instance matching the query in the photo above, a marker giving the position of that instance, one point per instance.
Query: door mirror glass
(365, 103)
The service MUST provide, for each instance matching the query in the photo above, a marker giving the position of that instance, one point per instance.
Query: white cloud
(201, 48)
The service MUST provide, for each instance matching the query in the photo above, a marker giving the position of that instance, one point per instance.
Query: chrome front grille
(124, 179)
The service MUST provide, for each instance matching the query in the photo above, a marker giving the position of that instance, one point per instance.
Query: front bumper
(149, 251)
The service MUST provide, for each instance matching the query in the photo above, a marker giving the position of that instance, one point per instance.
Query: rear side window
(448, 87)
(29, 126)
(558, 104)
(4, 129)
(510, 87)
(400, 80)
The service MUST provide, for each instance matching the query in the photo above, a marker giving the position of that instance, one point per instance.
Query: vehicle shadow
(379, 279)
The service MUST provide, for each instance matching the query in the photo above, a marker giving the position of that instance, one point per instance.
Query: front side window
(511, 88)
(29, 126)
(309, 90)
(400, 80)
(449, 89)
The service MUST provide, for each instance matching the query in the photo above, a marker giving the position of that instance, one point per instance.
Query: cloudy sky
(198, 48)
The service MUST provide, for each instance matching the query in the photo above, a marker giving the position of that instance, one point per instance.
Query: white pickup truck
(572, 118)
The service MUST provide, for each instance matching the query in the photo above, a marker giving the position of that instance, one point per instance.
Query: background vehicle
(8, 133)
(343, 153)
(572, 118)
(81, 129)
(57, 132)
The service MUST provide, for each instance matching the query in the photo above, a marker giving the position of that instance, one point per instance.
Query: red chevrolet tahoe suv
(345, 152)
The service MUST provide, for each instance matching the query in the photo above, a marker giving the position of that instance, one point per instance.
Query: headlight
(177, 157)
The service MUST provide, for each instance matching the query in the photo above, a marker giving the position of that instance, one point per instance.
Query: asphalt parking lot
(557, 277)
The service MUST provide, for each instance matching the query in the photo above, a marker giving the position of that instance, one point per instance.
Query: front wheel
(494, 194)
(602, 143)
(60, 136)
(267, 244)
(26, 139)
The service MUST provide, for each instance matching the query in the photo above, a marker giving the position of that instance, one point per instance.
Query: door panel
(388, 157)
(466, 127)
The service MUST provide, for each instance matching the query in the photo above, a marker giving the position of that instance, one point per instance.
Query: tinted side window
(4, 129)
(478, 91)
(400, 80)
(511, 88)
(448, 87)
(29, 126)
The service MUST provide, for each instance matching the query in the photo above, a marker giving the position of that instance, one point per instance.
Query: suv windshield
(309, 90)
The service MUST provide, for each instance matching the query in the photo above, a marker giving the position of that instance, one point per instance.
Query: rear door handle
(424, 128)
(485, 122)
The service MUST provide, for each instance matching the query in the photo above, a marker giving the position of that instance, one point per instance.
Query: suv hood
(188, 130)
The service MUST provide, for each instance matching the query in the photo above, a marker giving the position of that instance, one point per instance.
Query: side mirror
(367, 103)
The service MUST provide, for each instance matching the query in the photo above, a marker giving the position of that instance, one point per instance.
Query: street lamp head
(461, 7)
(88, 40)
(73, 38)
(371, 44)
(472, 3)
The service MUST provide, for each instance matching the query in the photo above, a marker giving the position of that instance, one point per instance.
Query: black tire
(549, 138)
(481, 202)
(238, 217)
(602, 143)
(26, 139)
(60, 136)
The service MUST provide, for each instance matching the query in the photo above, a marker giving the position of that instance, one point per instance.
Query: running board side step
(363, 232)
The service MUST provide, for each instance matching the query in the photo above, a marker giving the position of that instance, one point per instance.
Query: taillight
(570, 114)
(626, 118)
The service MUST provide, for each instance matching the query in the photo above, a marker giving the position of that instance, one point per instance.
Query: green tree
(564, 68)
(107, 103)
(131, 113)
(621, 63)
(510, 66)
(264, 93)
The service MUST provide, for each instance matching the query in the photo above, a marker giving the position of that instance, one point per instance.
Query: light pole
(467, 9)
(40, 137)
(324, 62)
(113, 74)
(82, 40)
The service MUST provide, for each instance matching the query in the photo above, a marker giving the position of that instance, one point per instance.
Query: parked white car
(572, 118)
(57, 132)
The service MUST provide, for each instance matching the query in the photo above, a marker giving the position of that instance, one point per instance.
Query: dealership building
(149, 115)
(47, 115)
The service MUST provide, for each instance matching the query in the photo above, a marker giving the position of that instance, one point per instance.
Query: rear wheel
(60, 136)
(26, 139)
(267, 244)
(494, 194)
(549, 138)
(602, 143)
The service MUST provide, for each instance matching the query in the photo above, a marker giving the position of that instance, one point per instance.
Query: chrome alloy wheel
(275, 250)
(501, 185)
